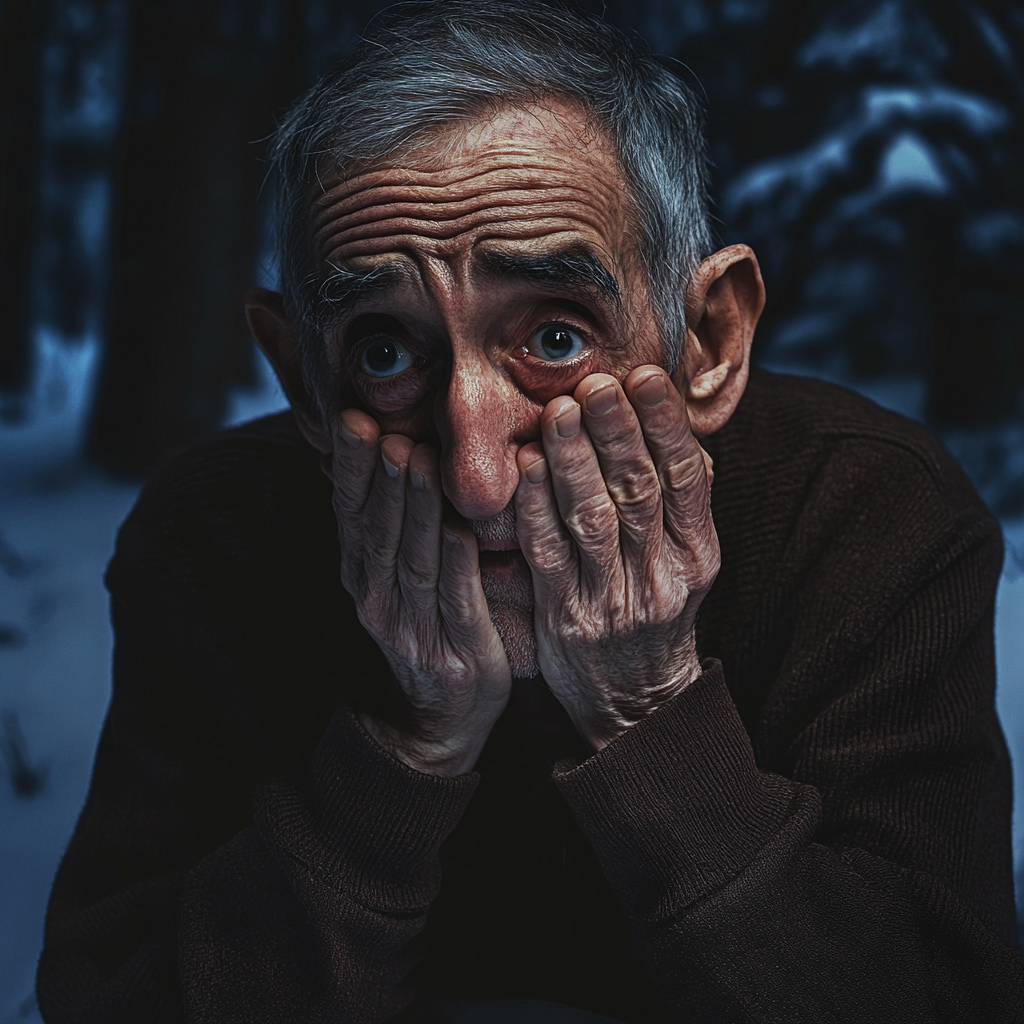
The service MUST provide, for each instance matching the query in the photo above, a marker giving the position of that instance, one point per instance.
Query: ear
(723, 304)
(273, 332)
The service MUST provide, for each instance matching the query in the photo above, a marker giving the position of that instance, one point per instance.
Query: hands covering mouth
(613, 517)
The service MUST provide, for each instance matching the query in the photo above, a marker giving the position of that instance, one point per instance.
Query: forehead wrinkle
(514, 222)
(442, 204)
(442, 214)
(555, 183)
(522, 169)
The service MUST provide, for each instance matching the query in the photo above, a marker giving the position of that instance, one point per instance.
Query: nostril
(480, 481)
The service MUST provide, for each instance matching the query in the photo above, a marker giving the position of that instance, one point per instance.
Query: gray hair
(424, 67)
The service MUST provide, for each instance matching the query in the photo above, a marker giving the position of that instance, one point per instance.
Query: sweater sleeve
(313, 913)
(309, 913)
(862, 878)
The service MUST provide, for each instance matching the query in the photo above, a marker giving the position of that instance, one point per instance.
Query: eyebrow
(574, 267)
(342, 289)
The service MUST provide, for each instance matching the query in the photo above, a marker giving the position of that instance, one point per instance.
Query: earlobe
(270, 326)
(707, 383)
(723, 305)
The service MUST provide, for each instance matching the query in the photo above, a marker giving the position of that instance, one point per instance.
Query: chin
(508, 587)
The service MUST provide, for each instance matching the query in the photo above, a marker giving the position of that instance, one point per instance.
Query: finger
(419, 556)
(351, 465)
(383, 516)
(626, 465)
(353, 462)
(584, 504)
(678, 458)
(460, 594)
(543, 539)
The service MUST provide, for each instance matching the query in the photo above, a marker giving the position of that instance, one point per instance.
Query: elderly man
(565, 737)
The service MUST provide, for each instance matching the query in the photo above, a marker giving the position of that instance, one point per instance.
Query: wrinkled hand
(416, 585)
(614, 517)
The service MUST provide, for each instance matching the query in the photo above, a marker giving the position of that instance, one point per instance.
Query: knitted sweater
(816, 830)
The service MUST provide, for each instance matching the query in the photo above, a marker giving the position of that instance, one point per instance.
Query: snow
(787, 183)
(908, 164)
(57, 525)
(57, 683)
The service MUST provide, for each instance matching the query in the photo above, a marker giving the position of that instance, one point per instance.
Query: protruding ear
(723, 304)
(273, 332)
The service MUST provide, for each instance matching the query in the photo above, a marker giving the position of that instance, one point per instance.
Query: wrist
(444, 759)
(633, 707)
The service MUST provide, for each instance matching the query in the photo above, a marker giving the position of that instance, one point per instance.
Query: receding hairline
(434, 147)
(449, 135)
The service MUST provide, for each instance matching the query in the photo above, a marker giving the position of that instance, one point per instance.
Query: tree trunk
(21, 31)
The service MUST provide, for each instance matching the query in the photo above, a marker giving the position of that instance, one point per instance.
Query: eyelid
(585, 336)
(364, 330)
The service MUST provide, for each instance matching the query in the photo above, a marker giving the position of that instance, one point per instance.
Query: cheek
(396, 397)
(540, 382)
(417, 424)
(401, 407)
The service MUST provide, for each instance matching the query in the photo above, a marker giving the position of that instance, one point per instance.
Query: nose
(476, 420)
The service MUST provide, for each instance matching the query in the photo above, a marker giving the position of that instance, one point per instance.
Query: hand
(613, 513)
(416, 585)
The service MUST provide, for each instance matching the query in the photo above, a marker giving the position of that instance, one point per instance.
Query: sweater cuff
(675, 806)
(362, 819)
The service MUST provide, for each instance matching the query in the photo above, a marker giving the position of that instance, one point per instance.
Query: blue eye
(556, 343)
(383, 357)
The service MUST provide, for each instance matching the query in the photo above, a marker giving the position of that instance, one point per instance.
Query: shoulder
(789, 433)
(248, 501)
(783, 417)
(813, 482)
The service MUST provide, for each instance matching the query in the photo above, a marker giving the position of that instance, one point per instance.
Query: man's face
(485, 275)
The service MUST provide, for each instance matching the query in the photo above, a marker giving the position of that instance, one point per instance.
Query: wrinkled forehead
(533, 175)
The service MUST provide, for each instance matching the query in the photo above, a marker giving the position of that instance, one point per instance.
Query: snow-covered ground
(58, 521)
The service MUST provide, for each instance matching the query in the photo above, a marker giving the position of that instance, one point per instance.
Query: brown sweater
(817, 830)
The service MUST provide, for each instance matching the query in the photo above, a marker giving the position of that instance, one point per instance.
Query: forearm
(351, 854)
(308, 914)
(746, 908)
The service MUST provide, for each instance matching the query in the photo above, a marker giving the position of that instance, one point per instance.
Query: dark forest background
(871, 152)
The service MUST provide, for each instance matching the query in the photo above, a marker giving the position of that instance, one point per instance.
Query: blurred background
(871, 151)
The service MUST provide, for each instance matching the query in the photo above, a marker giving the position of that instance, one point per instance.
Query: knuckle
(551, 555)
(704, 561)
(634, 490)
(593, 520)
(684, 474)
(709, 566)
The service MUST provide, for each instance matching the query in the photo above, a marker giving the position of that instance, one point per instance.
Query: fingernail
(389, 467)
(536, 471)
(602, 400)
(652, 391)
(419, 481)
(452, 539)
(567, 422)
(352, 439)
